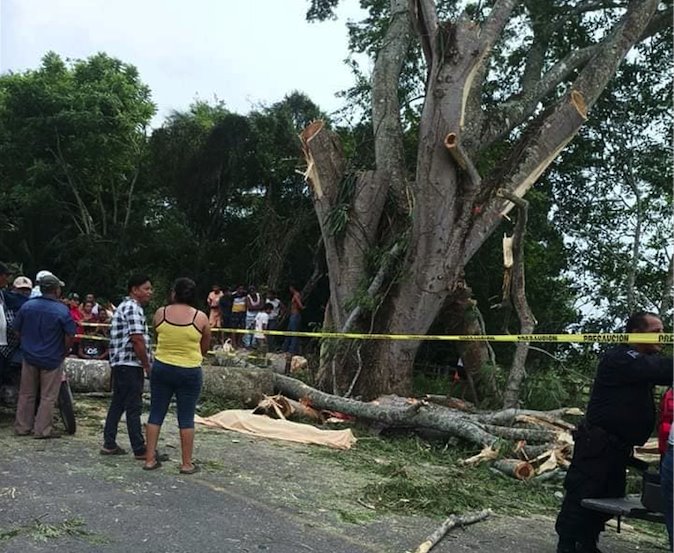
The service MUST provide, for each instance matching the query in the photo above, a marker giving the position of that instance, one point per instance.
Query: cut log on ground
(240, 383)
(87, 375)
(451, 522)
(244, 385)
(235, 380)
(515, 468)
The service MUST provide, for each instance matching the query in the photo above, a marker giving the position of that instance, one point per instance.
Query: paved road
(142, 511)
(253, 495)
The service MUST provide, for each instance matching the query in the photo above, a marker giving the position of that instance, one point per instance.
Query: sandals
(115, 451)
(158, 456)
(193, 470)
(153, 466)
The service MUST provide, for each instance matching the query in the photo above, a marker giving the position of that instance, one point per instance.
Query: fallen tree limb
(508, 416)
(528, 434)
(451, 522)
(408, 413)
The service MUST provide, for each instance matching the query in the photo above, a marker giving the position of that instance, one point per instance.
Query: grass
(209, 405)
(43, 532)
(412, 476)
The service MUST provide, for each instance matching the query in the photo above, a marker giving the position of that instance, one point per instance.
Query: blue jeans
(666, 469)
(292, 343)
(127, 395)
(167, 380)
(250, 323)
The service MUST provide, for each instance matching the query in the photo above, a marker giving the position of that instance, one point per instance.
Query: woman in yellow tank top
(183, 338)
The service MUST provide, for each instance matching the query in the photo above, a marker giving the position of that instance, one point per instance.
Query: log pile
(542, 439)
(540, 442)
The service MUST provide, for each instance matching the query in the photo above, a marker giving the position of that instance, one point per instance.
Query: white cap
(41, 274)
(22, 282)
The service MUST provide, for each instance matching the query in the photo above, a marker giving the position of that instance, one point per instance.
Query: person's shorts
(238, 320)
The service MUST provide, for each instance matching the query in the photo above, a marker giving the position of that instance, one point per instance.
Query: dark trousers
(292, 343)
(127, 396)
(597, 470)
(272, 324)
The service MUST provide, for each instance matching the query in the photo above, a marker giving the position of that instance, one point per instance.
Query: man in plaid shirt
(130, 360)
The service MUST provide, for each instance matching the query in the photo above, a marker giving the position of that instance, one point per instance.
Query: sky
(245, 53)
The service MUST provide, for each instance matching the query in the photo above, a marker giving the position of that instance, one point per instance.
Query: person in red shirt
(666, 415)
(73, 305)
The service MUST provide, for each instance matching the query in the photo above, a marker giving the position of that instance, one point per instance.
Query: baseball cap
(4, 269)
(22, 282)
(50, 281)
(40, 274)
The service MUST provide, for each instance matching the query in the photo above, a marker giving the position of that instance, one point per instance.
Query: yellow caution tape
(92, 337)
(616, 338)
(633, 338)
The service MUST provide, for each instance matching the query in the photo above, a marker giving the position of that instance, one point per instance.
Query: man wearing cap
(14, 299)
(46, 331)
(36, 289)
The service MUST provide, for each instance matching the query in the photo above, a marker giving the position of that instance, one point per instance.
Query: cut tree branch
(519, 107)
(450, 523)
(546, 137)
(519, 300)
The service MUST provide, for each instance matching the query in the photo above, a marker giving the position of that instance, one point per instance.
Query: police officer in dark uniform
(620, 415)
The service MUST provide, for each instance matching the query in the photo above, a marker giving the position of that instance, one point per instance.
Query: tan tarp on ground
(240, 420)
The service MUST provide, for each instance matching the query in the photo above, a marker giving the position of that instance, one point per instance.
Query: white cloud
(242, 52)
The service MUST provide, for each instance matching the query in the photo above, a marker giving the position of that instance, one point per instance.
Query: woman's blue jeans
(169, 380)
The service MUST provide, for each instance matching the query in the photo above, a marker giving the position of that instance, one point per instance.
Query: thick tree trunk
(236, 381)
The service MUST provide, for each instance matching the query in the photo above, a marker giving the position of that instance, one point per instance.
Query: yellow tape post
(624, 338)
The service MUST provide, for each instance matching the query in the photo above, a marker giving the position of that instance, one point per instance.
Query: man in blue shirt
(46, 331)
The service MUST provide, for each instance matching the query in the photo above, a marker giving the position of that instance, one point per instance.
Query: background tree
(231, 206)
(73, 145)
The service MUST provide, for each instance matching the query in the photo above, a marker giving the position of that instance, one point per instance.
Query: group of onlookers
(38, 334)
(92, 319)
(47, 326)
(240, 308)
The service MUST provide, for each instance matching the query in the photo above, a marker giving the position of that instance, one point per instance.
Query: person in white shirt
(253, 307)
(261, 322)
(5, 273)
(276, 312)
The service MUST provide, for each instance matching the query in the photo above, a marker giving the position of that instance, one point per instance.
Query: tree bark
(519, 300)
(236, 381)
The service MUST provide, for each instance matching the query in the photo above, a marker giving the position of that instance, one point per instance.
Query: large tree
(487, 130)
(71, 152)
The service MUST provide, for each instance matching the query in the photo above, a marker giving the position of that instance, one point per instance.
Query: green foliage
(338, 218)
(72, 148)
(412, 476)
(43, 532)
(86, 193)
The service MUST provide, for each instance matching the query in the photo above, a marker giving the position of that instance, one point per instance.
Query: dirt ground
(252, 495)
